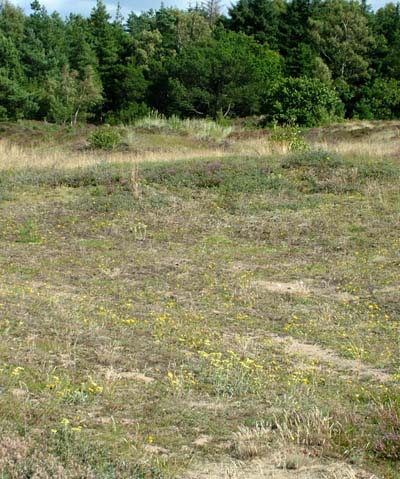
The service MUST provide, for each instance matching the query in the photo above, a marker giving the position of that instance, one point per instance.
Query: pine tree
(81, 53)
(295, 43)
(12, 22)
(106, 47)
(259, 18)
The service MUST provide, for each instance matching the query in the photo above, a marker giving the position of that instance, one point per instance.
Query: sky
(64, 7)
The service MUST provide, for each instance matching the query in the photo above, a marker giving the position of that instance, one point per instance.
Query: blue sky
(84, 6)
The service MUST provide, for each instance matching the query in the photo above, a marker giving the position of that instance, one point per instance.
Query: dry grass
(373, 142)
(13, 156)
(367, 148)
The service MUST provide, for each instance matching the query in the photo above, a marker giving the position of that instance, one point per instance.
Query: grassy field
(200, 303)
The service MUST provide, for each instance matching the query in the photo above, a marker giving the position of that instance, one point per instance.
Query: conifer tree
(259, 18)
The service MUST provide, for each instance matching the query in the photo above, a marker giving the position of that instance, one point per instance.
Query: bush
(104, 139)
(379, 101)
(128, 115)
(290, 136)
(304, 101)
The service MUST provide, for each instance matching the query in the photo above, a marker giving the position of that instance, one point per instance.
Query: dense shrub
(128, 115)
(104, 139)
(305, 101)
(380, 101)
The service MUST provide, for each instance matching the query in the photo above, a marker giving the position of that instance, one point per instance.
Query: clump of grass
(201, 129)
(65, 454)
(251, 442)
(386, 444)
(311, 429)
(28, 233)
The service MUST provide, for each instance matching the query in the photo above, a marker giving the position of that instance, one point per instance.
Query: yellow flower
(17, 371)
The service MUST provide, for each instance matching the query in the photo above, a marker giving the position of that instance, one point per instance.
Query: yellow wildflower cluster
(129, 321)
(298, 377)
(74, 393)
(229, 361)
(181, 380)
(66, 426)
(354, 351)
(232, 374)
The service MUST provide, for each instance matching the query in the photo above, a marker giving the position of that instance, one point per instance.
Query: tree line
(303, 61)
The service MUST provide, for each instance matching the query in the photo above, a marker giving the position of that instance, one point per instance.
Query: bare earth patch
(302, 288)
(313, 351)
(111, 374)
(297, 466)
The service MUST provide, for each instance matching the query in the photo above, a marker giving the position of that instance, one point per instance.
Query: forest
(307, 62)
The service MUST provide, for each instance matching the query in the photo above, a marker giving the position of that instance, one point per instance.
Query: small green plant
(104, 139)
(289, 135)
(28, 233)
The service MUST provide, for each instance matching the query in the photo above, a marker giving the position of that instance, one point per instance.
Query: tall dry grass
(16, 157)
(380, 143)
(371, 148)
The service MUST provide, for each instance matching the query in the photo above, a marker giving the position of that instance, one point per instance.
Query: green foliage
(260, 18)
(231, 177)
(15, 101)
(104, 139)
(129, 114)
(227, 74)
(304, 101)
(380, 100)
(340, 32)
(313, 159)
(289, 135)
(70, 96)
(28, 233)
(271, 57)
(295, 42)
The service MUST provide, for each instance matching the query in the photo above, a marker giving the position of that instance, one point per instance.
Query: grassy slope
(146, 319)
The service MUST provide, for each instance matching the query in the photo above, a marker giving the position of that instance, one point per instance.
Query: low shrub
(313, 159)
(104, 139)
(289, 135)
